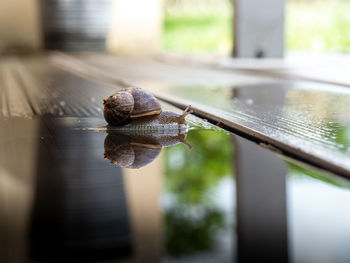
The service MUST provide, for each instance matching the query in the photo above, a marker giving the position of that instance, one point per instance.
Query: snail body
(132, 103)
(166, 122)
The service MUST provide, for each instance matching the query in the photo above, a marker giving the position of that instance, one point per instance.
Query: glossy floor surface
(64, 199)
(70, 191)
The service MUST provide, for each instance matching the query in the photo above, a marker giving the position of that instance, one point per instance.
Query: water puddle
(75, 194)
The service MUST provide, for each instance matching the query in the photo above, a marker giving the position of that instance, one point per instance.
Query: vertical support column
(259, 28)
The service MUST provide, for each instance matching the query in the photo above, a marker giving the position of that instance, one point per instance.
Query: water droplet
(249, 101)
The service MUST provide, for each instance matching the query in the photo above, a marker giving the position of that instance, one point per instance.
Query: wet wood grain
(306, 121)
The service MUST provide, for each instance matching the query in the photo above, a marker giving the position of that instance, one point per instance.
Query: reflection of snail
(135, 150)
(137, 105)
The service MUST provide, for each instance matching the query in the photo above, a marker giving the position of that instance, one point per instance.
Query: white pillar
(259, 28)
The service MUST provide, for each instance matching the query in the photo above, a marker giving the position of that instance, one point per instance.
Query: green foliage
(318, 25)
(198, 30)
(340, 134)
(193, 218)
(186, 235)
(192, 174)
(310, 25)
(210, 33)
(296, 170)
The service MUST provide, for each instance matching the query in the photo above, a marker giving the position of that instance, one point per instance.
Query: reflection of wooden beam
(261, 204)
(18, 150)
(259, 28)
(143, 190)
(79, 201)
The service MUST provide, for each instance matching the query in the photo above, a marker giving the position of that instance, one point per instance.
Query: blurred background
(207, 26)
(201, 27)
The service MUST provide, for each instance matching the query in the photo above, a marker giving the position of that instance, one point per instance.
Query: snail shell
(135, 151)
(130, 151)
(132, 103)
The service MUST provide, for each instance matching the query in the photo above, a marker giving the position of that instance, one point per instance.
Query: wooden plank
(300, 126)
(328, 69)
(302, 120)
(36, 87)
(15, 97)
(131, 69)
(283, 116)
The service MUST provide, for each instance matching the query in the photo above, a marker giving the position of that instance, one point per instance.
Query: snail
(142, 110)
(131, 150)
(138, 129)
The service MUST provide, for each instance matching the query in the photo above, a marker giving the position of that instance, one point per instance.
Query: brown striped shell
(121, 107)
(134, 150)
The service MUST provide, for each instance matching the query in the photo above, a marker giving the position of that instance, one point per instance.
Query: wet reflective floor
(307, 120)
(67, 196)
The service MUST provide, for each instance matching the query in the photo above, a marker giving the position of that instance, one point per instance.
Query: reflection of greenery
(193, 218)
(186, 235)
(340, 134)
(295, 170)
(192, 174)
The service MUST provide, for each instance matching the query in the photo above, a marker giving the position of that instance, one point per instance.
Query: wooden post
(259, 28)
(19, 26)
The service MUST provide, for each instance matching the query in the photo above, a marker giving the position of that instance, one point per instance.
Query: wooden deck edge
(265, 141)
